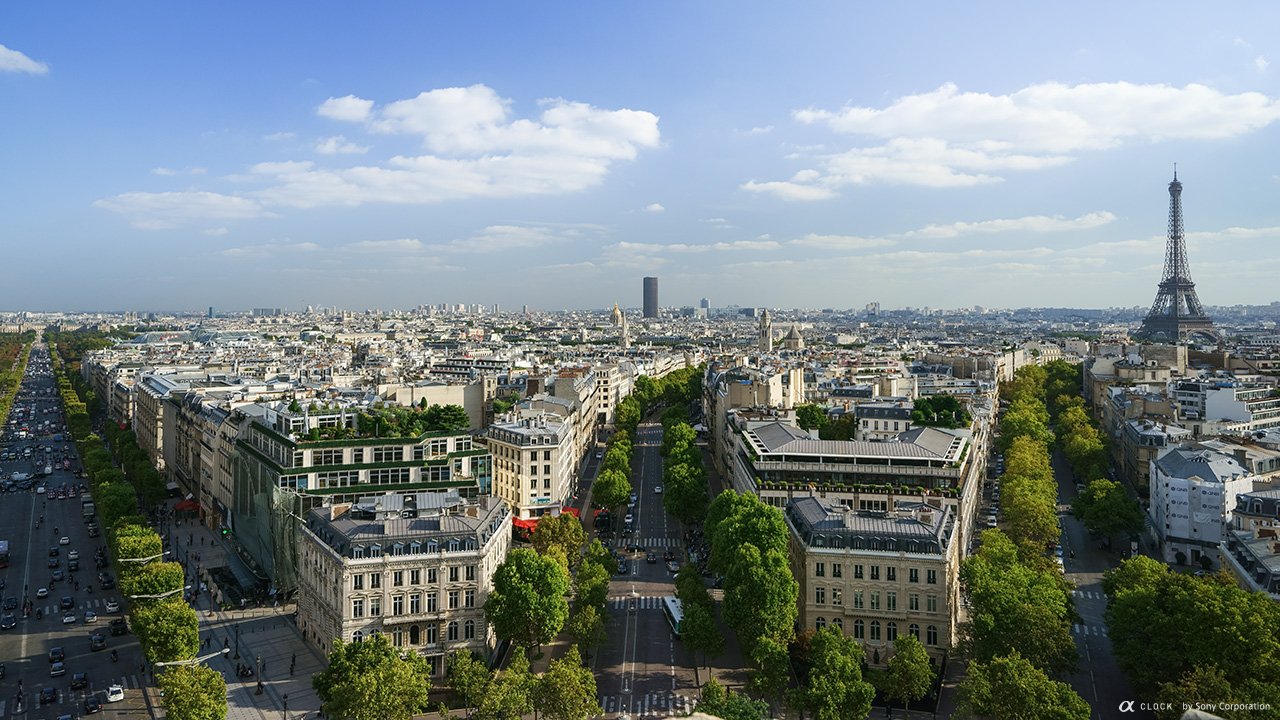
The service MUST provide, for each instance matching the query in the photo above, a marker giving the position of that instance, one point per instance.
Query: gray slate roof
(1208, 465)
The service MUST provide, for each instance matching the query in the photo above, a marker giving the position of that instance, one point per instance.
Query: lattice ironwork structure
(1176, 313)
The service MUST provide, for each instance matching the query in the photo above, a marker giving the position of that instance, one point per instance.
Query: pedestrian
(201, 541)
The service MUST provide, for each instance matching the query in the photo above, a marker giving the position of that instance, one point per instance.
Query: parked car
(115, 693)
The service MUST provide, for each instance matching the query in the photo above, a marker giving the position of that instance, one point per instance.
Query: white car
(113, 606)
(90, 617)
(115, 693)
(73, 555)
(69, 619)
(65, 540)
(657, 490)
(42, 593)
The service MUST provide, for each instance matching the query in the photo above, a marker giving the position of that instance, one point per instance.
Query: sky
(175, 156)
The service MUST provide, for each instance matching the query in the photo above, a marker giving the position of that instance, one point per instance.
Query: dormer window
(433, 546)
(357, 551)
(453, 546)
(415, 547)
(375, 551)
(470, 544)
(397, 549)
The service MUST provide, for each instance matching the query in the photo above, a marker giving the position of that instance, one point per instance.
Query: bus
(672, 608)
(4, 553)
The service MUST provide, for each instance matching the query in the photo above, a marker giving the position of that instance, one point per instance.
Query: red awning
(526, 524)
(573, 511)
(187, 505)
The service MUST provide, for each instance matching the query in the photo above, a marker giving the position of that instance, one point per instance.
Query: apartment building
(882, 420)
(1251, 550)
(876, 576)
(533, 462)
(1193, 497)
(415, 567)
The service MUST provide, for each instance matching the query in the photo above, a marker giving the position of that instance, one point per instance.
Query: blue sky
(174, 156)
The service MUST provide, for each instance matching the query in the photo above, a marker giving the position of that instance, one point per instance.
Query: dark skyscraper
(651, 297)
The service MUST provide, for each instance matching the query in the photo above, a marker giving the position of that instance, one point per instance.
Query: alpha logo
(1126, 706)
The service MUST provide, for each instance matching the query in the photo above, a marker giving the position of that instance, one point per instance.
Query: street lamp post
(285, 713)
(143, 560)
(160, 596)
(237, 655)
(259, 690)
(192, 661)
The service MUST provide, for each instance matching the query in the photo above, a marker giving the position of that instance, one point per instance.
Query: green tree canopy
(167, 630)
(567, 690)
(587, 626)
(511, 694)
(370, 680)
(563, 531)
(832, 687)
(469, 677)
(153, 578)
(811, 416)
(1106, 509)
(527, 603)
(735, 519)
(1012, 688)
(700, 633)
(910, 675)
(611, 489)
(719, 702)
(193, 692)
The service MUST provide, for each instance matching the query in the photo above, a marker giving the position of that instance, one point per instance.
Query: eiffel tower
(1176, 313)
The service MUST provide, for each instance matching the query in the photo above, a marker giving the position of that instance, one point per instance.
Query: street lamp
(160, 596)
(237, 655)
(259, 671)
(143, 560)
(192, 661)
(285, 713)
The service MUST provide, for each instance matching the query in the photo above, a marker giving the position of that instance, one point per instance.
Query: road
(25, 648)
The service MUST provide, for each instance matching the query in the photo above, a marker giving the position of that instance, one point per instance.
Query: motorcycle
(37, 613)
(114, 657)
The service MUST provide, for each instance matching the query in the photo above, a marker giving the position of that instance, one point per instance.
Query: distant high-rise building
(210, 311)
(651, 297)
(705, 304)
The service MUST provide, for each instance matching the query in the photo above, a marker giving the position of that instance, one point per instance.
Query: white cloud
(163, 171)
(653, 207)
(839, 242)
(338, 145)
(348, 109)
(14, 61)
(949, 138)
(1260, 63)
(272, 248)
(683, 248)
(760, 130)
(1033, 223)
(713, 220)
(276, 137)
(214, 232)
(169, 172)
(501, 238)
(401, 245)
(158, 211)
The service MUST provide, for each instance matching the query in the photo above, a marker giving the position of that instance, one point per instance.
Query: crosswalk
(1088, 595)
(642, 603)
(1097, 630)
(53, 607)
(649, 705)
(651, 543)
(65, 697)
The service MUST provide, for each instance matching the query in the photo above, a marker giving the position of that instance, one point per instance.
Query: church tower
(766, 332)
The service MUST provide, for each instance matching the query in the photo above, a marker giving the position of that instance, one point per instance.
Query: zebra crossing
(54, 607)
(74, 697)
(1096, 630)
(651, 543)
(653, 602)
(649, 705)
(1088, 595)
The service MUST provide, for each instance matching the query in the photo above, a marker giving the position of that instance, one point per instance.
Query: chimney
(337, 511)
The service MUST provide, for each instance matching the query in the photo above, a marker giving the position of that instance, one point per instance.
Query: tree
(447, 418)
(1106, 509)
(716, 701)
(700, 633)
(369, 680)
(132, 541)
(735, 519)
(587, 626)
(832, 688)
(567, 690)
(167, 630)
(685, 491)
(512, 692)
(151, 578)
(760, 596)
(1012, 688)
(193, 692)
(469, 677)
(611, 489)
(810, 417)
(527, 604)
(910, 674)
(563, 531)
(771, 671)
(1200, 686)
(591, 585)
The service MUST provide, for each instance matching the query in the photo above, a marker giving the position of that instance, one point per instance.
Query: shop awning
(573, 511)
(526, 524)
(187, 505)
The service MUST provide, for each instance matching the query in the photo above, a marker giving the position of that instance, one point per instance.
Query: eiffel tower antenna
(1176, 312)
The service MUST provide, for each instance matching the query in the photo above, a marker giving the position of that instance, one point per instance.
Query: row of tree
(1029, 488)
(684, 475)
(15, 350)
(1184, 640)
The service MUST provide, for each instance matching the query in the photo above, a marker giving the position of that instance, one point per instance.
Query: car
(92, 705)
(54, 552)
(48, 695)
(56, 655)
(97, 641)
(90, 617)
(8, 622)
(93, 531)
(52, 495)
(79, 680)
(633, 497)
(599, 454)
(68, 618)
(628, 519)
(668, 556)
(73, 555)
(106, 582)
(115, 693)
(119, 626)
(42, 593)
(57, 576)
(622, 567)
(113, 606)
(64, 540)
(1057, 552)
(673, 567)
(10, 603)
(67, 602)
(991, 521)
(651, 558)
(73, 565)
(57, 669)
(657, 490)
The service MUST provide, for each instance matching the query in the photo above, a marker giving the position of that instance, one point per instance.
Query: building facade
(651, 297)
(1193, 496)
(533, 463)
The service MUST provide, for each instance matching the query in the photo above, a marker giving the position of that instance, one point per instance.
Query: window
(875, 630)
(820, 596)
(931, 577)
(397, 637)
(431, 576)
(471, 572)
(375, 580)
(432, 634)
(838, 624)
(819, 569)
(375, 551)
(397, 605)
(453, 631)
(857, 572)
(357, 582)
(820, 623)
(875, 572)
(546, 454)
(469, 598)
(453, 599)
(357, 636)
(375, 606)
(835, 570)
(914, 629)
(858, 630)
(931, 603)
(433, 547)
(357, 608)
(891, 601)
(533, 470)
(469, 630)
(931, 635)
(397, 578)
(835, 597)
(875, 601)
(453, 574)
(857, 599)
(431, 603)
(357, 455)
(415, 605)
(453, 547)
(891, 574)
(891, 630)
(913, 575)
(913, 602)
(546, 483)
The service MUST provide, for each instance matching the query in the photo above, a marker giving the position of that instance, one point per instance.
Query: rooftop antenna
(1175, 171)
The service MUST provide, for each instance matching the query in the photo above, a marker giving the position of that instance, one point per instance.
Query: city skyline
(177, 157)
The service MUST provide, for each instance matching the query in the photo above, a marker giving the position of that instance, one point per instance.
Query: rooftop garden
(393, 422)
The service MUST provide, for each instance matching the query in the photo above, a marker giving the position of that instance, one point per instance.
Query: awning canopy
(526, 524)
(187, 505)
(573, 511)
